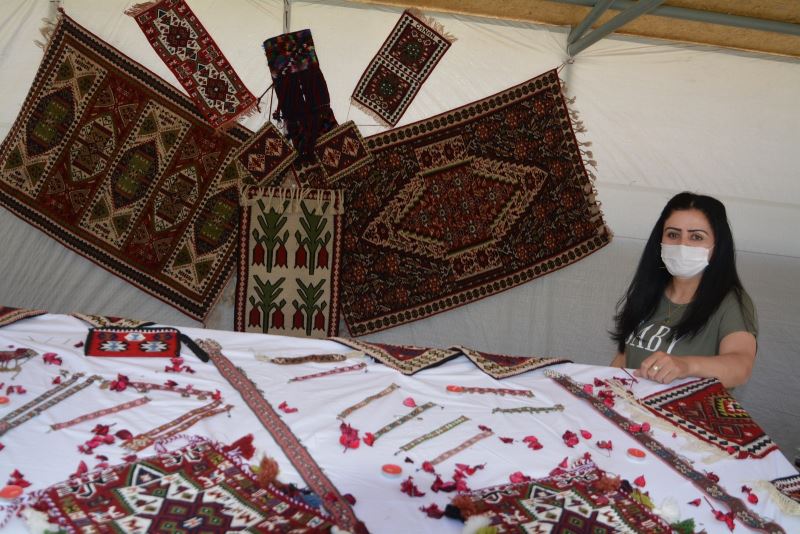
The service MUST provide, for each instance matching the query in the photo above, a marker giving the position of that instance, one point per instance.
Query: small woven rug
(504, 365)
(403, 63)
(464, 205)
(9, 315)
(262, 159)
(288, 278)
(705, 409)
(581, 498)
(119, 166)
(198, 488)
(103, 321)
(183, 43)
(405, 358)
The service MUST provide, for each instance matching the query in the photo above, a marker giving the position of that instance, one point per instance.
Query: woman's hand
(663, 368)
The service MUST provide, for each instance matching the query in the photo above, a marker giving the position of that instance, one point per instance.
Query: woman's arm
(732, 366)
(619, 360)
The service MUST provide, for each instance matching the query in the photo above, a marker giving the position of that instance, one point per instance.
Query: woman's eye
(697, 237)
(673, 235)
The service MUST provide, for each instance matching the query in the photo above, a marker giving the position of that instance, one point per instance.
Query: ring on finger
(656, 368)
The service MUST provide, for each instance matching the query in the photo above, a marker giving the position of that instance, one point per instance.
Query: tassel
(137, 9)
(47, 30)
(267, 472)
(244, 445)
(435, 25)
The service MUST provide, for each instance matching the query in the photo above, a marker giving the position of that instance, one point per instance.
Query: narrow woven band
(433, 433)
(357, 406)
(402, 420)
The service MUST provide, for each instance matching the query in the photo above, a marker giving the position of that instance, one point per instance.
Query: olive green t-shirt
(655, 334)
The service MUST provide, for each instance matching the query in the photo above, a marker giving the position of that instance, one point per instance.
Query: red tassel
(244, 445)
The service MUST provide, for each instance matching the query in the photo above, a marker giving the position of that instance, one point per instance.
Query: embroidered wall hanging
(199, 488)
(396, 73)
(183, 43)
(105, 321)
(303, 98)
(405, 358)
(503, 365)
(288, 278)
(298, 455)
(464, 205)
(264, 157)
(118, 166)
(10, 315)
(133, 342)
(701, 480)
(570, 500)
(705, 409)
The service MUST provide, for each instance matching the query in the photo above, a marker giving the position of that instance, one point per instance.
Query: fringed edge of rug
(784, 503)
(589, 163)
(246, 113)
(694, 444)
(48, 29)
(371, 112)
(277, 196)
(434, 24)
(137, 9)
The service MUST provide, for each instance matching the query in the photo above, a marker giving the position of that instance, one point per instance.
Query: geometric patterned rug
(582, 498)
(9, 315)
(463, 205)
(199, 488)
(119, 166)
(181, 40)
(396, 73)
(409, 359)
(707, 410)
(289, 265)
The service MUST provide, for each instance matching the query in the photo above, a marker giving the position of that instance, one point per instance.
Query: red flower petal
(712, 476)
(586, 434)
(82, 468)
(349, 498)
(484, 428)
(408, 460)
(640, 481)
(409, 488)
(56, 380)
(408, 401)
(695, 502)
(100, 430)
(645, 427)
(564, 463)
(216, 395)
(129, 458)
(506, 440)
(518, 477)
(369, 438)
(752, 498)
(123, 435)
(428, 467)
(432, 511)
(588, 388)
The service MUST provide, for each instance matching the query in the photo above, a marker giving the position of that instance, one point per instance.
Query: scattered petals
(752, 498)
(645, 427)
(369, 438)
(517, 477)
(78, 345)
(170, 383)
(746, 489)
(607, 445)
(570, 438)
(640, 481)
(712, 476)
(56, 380)
(585, 434)
(120, 384)
(349, 437)
(349, 498)
(564, 463)
(409, 488)
(533, 442)
(129, 458)
(51, 358)
(82, 468)
(216, 395)
(408, 460)
(101, 457)
(695, 502)
(18, 479)
(428, 467)
(484, 428)
(506, 440)
(635, 427)
(599, 383)
(433, 511)
(285, 408)
(123, 435)
(588, 388)
(2, 446)
(467, 470)
(408, 401)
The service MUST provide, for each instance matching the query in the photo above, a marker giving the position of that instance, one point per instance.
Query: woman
(685, 312)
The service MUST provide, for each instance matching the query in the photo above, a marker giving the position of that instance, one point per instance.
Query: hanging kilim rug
(119, 166)
(464, 205)
(103, 321)
(705, 409)
(582, 498)
(199, 488)
(396, 73)
(181, 41)
(503, 365)
(405, 358)
(10, 315)
(288, 278)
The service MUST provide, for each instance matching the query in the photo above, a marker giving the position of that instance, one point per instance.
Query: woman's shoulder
(737, 308)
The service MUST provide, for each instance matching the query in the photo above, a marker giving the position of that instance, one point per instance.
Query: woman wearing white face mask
(685, 312)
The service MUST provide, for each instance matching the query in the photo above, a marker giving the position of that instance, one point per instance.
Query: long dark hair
(651, 278)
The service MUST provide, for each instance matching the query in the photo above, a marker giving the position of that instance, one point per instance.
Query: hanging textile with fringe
(396, 73)
(303, 98)
(9, 315)
(288, 278)
(464, 205)
(183, 43)
(120, 167)
(202, 487)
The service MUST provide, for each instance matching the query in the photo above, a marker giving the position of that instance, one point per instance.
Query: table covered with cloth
(151, 444)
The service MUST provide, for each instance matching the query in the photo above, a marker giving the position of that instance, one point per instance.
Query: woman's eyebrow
(698, 230)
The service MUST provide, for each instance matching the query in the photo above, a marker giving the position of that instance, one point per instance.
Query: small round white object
(655, 368)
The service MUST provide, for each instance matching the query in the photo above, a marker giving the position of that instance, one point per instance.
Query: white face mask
(683, 261)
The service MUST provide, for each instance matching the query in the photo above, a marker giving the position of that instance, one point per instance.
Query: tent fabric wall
(663, 117)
